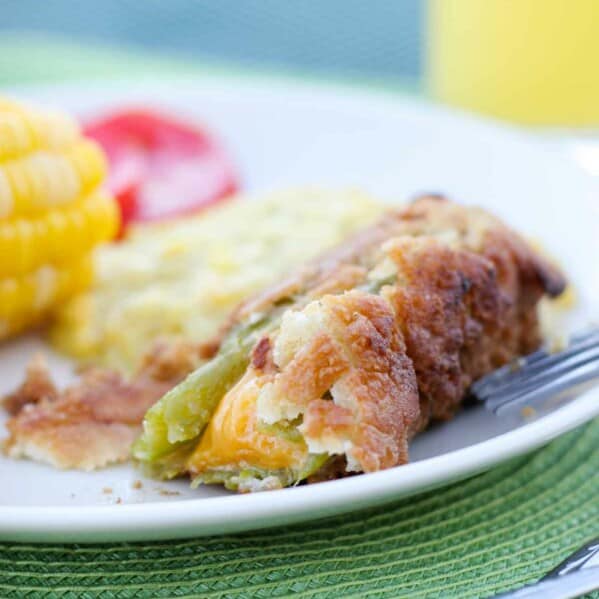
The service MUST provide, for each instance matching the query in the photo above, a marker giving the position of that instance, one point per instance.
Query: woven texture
(491, 533)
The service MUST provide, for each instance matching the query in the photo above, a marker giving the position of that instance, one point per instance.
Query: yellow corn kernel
(6, 199)
(29, 299)
(16, 137)
(52, 212)
(44, 180)
(56, 236)
(87, 158)
(23, 130)
(52, 130)
(103, 216)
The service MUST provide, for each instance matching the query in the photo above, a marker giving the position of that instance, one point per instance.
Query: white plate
(286, 134)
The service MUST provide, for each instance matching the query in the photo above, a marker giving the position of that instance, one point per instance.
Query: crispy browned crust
(463, 304)
(378, 384)
(346, 266)
(466, 310)
(37, 385)
(94, 422)
(386, 363)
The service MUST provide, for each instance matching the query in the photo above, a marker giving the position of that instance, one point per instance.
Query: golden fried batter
(94, 422)
(37, 385)
(380, 335)
(365, 369)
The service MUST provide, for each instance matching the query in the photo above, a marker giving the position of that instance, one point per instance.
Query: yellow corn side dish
(53, 212)
(182, 279)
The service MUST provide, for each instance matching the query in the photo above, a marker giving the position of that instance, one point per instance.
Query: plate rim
(158, 520)
(280, 81)
(222, 515)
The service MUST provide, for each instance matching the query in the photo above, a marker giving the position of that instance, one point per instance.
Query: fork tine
(544, 362)
(567, 380)
(535, 379)
(495, 378)
(582, 335)
(537, 362)
(572, 349)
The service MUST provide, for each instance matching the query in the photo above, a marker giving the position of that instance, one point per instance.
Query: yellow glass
(530, 61)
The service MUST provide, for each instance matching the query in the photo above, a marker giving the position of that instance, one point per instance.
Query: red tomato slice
(160, 167)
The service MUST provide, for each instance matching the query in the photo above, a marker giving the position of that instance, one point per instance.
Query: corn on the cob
(24, 301)
(52, 212)
(23, 130)
(55, 237)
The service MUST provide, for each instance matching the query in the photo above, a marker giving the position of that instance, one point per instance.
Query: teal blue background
(366, 38)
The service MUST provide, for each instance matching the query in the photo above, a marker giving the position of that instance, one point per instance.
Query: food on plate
(161, 167)
(93, 422)
(328, 372)
(53, 212)
(180, 280)
(334, 369)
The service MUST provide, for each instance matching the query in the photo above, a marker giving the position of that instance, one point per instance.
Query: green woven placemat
(476, 538)
(490, 533)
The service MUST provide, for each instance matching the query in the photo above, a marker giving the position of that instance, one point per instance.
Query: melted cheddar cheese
(233, 439)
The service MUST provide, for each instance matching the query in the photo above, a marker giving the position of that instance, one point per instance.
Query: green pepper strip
(174, 424)
(175, 421)
(287, 477)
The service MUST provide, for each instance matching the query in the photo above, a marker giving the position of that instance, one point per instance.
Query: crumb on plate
(528, 412)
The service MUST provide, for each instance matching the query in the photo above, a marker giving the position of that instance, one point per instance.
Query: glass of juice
(529, 61)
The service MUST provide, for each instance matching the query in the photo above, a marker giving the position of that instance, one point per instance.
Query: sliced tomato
(161, 167)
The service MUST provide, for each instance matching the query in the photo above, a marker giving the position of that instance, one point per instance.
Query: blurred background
(374, 39)
(529, 61)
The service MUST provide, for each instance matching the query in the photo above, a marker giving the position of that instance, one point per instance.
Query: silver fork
(575, 576)
(541, 375)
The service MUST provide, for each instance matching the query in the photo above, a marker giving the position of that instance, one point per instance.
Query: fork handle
(576, 575)
(585, 557)
(568, 586)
